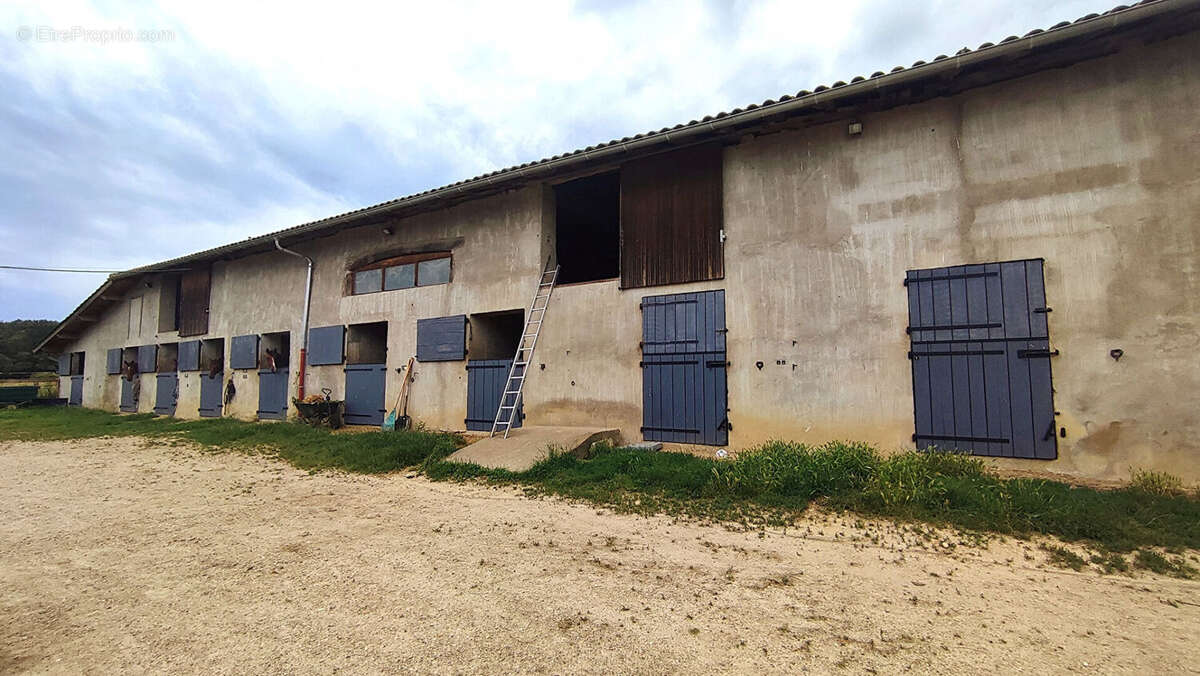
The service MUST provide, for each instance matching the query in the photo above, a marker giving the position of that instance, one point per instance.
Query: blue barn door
(210, 394)
(684, 392)
(129, 394)
(485, 385)
(272, 394)
(364, 393)
(166, 393)
(76, 396)
(980, 352)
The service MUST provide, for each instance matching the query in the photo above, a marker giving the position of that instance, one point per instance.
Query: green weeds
(1153, 561)
(305, 447)
(768, 485)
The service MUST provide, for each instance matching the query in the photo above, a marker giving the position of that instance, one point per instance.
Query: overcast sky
(203, 123)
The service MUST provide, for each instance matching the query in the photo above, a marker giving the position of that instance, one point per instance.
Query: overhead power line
(36, 269)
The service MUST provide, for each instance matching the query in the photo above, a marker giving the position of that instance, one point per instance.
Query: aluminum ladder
(514, 385)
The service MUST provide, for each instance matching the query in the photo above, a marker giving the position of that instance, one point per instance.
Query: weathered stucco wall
(1093, 168)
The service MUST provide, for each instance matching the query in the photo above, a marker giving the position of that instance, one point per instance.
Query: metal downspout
(307, 299)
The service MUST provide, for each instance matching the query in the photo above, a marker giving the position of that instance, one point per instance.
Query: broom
(389, 423)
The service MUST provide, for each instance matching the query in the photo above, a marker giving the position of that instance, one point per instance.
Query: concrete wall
(1093, 168)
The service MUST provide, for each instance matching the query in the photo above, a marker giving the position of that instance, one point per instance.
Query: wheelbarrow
(322, 412)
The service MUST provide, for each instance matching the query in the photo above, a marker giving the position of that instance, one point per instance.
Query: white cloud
(260, 115)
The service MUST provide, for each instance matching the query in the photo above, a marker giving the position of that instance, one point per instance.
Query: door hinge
(722, 235)
(1026, 354)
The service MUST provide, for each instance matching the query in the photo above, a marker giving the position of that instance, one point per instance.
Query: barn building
(994, 251)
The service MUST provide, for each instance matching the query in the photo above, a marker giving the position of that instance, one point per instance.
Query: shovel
(390, 422)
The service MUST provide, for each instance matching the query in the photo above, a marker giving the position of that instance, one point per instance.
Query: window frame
(399, 261)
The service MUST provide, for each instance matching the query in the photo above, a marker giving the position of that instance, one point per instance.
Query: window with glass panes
(402, 272)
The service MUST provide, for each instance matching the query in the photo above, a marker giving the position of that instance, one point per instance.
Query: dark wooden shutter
(326, 345)
(189, 355)
(243, 352)
(442, 338)
(64, 365)
(981, 360)
(671, 218)
(193, 301)
(112, 364)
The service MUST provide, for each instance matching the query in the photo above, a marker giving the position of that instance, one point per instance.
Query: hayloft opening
(367, 343)
(273, 350)
(588, 228)
(494, 335)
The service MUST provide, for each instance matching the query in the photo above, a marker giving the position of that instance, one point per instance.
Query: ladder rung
(508, 392)
(504, 407)
(523, 377)
(520, 363)
(545, 284)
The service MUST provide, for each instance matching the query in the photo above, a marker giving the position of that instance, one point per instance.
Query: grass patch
(303, 446)
(1111, 562)
(1156, 483)
(1157, 563)
(1064, 558)
(768, 485)
(772, 483)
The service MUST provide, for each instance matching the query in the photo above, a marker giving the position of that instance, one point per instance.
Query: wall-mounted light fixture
(388, 231)
(855, 128)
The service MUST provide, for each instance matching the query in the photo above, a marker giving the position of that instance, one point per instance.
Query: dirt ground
(124, 555)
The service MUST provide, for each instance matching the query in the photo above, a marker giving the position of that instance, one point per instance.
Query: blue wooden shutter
(442, 338)
(981, 360)
(147, 358)
(64, 365)
(166, 393)
(243, 352)
(112, 364)
(189, 356)
(326, 345)
(272, 394)
(485, 385)
(684, 387)
(210, 396)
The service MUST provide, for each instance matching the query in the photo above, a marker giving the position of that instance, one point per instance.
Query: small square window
(368, 281)
(400, 277)
(436, 271)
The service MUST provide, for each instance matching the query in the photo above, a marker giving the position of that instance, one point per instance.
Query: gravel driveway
(131, 555)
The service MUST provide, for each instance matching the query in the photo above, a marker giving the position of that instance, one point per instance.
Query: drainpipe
(307, 299)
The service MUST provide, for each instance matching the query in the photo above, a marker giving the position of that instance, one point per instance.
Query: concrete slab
(527, 445)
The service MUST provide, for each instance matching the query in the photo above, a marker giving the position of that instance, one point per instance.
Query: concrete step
(526, 445)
